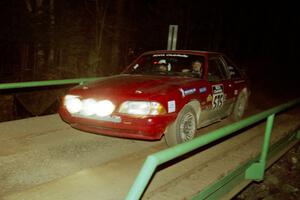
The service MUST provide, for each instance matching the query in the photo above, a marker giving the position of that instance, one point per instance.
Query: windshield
(168, 64)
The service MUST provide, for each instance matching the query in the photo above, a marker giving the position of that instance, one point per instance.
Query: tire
(184, 127)
(239, 107)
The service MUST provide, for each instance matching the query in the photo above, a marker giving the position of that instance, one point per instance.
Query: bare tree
(35, 12)
(116, 39)
(52, 28)
(99, 14)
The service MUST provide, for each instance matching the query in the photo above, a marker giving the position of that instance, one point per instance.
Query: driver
(197, 67)
(162, 65)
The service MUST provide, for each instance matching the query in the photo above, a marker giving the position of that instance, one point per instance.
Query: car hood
(125, 85)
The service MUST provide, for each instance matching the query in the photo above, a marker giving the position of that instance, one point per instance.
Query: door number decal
(218, 96)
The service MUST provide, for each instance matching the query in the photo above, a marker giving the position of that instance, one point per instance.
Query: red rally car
(171, 93)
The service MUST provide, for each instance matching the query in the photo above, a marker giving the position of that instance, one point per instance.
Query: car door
(221, 90)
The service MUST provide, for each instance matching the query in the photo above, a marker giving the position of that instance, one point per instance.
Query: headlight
(88, 107)
(72, 103)
(142, 108)
(104, 108)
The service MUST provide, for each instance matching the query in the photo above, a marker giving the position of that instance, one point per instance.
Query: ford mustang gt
(170, 93)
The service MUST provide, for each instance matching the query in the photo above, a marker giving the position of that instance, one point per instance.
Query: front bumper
(146, 128)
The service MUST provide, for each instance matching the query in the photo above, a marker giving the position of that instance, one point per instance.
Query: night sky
(65, 39)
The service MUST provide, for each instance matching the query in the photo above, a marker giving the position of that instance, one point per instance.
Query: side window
(233, 70)
(216, 70)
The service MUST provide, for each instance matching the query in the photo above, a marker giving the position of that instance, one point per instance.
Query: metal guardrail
(44, 83)
(254, 172)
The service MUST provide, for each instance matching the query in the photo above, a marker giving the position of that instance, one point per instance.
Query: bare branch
(28, 5)
(102, 25)
(51, 3)
(87, 8)
(52, 16)
(39, 3)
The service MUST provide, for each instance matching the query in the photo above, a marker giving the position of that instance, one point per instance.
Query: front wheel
(184, 127)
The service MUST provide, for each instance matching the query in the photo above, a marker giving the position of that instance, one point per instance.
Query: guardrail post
(256, 170)
(143, 178)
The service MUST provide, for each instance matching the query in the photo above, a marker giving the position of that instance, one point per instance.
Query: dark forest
(50, 39)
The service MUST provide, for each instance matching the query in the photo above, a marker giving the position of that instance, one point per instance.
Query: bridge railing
(31, 84)
(254, 172)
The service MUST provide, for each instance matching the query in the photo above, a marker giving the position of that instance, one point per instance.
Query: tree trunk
(51, 54)
(116, 40)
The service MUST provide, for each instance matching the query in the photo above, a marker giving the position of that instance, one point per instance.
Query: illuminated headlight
(142, 108)
(100, 108)
(88, 107)
(104, 108)
(72, 103)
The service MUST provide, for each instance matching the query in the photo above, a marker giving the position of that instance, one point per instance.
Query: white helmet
(162, 61)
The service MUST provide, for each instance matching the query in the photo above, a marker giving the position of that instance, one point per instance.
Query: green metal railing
(254, 172)
(44, 83)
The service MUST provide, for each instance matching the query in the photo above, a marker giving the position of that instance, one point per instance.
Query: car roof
(195, 52)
